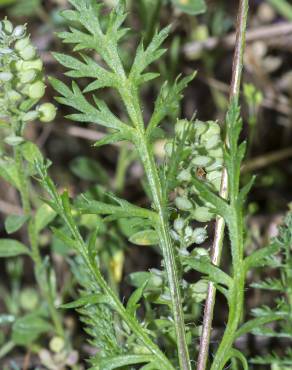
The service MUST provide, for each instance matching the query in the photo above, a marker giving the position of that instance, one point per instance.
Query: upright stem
(131, 100)
(32, 235)
(220, 224)
(168, 253)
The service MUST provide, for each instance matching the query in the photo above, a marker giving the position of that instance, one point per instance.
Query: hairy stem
(168, 251)
(131, 100)
(220, 223)
(32, 236)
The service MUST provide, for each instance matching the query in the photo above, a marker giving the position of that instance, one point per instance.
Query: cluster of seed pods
(203, 158)
(21, 77)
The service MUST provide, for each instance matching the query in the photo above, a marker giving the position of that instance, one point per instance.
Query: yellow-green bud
(36, 90)
(29, 299)
(57, 344)
(47, 112)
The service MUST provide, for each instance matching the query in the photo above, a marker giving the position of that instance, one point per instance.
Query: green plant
(105, 41)
(281, 263)
(22, 87)
(198, 181)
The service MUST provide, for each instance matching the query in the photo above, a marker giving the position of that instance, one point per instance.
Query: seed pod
(22, 43)
(14, 96)
(33, 64)
(7, 26)
(200, 253)
(202, 214)
(216, 165)
(36, 90)
(183, 203)
(6, 76)
(213, 129)
(212, 142)
(184, 175)
(211, 176)
(27, 76)
(174, 235)
(28, 52)
(200, 128)
(199, 235)
(214, 178)
(201, 161)
(47, 112)
(216, 153)
(30, 116)
(188, 232)
(178, 225)
(14, 140)
(199, 290)
(19, 31)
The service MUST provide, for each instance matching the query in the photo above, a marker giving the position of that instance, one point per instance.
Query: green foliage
(22, 85)
(282, 285)
(156, 325)
(12, 248)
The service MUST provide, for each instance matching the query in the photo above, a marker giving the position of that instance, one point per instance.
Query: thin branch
(266, 160)
(263, 33)
(220, 224)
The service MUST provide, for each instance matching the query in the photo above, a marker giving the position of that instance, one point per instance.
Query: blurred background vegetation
(202, 39)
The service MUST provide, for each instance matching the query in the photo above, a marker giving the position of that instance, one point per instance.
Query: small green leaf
(9, 172)
(14, 223)
(44, 216)
(87, 300)
(214, 273)
(12, 248)
(250, 325)
(31, 152)
(135, 297)
(138, 279)
(69, 242)
(27, 329)
(235, 353)
(145, 237)
(192, 7)
(124, 360)
(259, 257)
